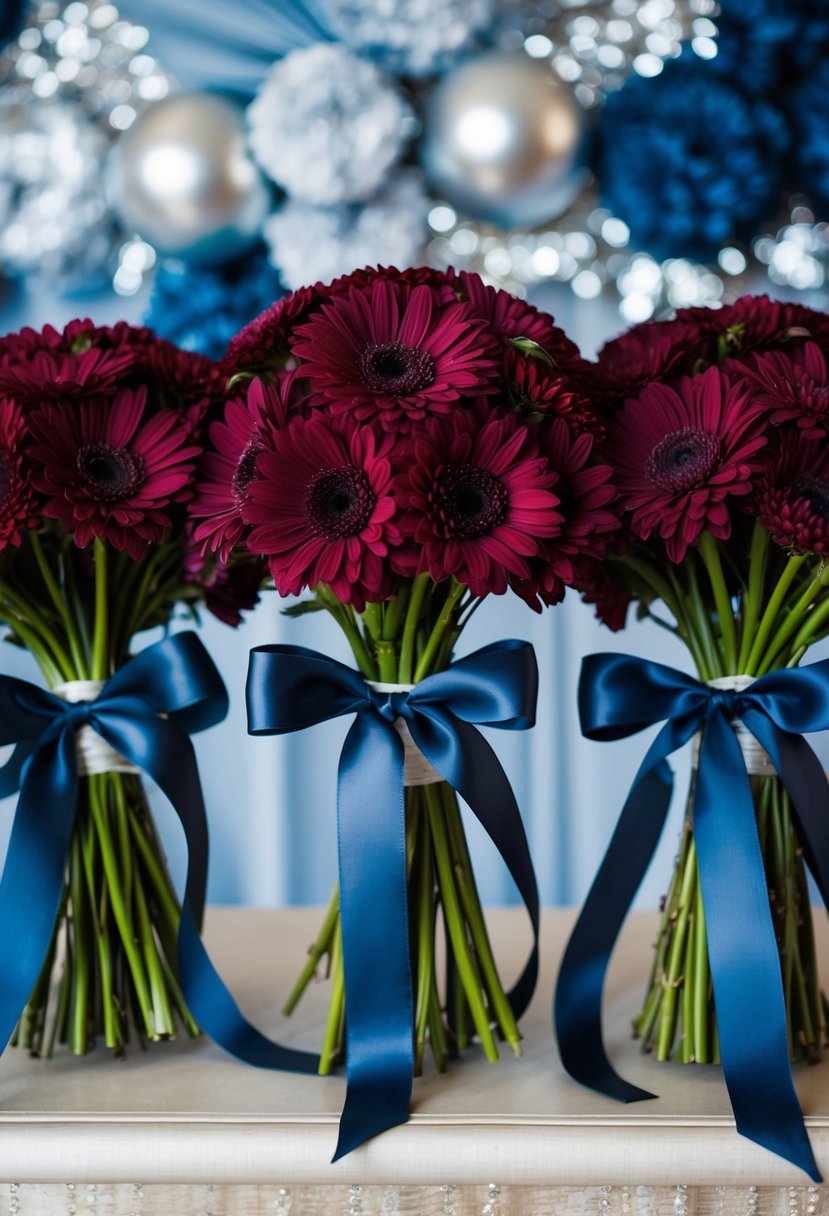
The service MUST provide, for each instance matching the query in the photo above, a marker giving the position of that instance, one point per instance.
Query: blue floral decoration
(809, 117)
(689, 161)
(200, 308)
(797, 30)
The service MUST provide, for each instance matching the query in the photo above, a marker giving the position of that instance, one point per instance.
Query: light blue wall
(271, 801)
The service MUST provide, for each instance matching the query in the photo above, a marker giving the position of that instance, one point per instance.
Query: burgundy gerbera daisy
(52, 374)
(655, 350)
(110, 467)
(479, 501)
(793, 496)
(396, 353)
(509, 318)
(227, 471)
(755, 324)
(264, 343)
(609, 597)
(793, 386)
(17, 510)
(586, 495)
(538, 391)
(322, 509)
(679, 454)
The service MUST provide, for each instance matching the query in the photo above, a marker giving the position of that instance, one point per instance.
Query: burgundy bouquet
(100, 437)
(403, 445)
(717, 433)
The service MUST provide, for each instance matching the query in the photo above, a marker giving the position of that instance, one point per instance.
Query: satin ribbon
(620, 695)
(146, 712)
(290, 688)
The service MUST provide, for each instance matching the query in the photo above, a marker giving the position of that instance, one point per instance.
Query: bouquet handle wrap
(146, 711)
(290, 688)
(620, 695)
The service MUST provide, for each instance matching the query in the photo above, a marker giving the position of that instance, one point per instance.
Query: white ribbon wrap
(757, 761)
(416, 768)
(95, 755)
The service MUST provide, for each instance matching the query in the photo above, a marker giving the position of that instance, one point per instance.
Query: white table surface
(185, 1112)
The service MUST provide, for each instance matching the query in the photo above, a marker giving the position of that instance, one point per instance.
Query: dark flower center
(245, 470)
(112, 474)
(5, 477)
(394, 367)
(683, 459)
(816, 493)
(339, 502)
(470, 501)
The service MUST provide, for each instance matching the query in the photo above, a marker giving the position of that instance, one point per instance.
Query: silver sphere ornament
(502, 140)
(183, 179)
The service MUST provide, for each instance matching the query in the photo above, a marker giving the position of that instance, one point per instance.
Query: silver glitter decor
(75, 78)
(412, 37)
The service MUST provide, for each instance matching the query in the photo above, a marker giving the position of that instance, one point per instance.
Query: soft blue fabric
(620, 695)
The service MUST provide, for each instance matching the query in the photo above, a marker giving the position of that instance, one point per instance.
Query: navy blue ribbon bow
(146, 711)
(618, 696)
(291, 688)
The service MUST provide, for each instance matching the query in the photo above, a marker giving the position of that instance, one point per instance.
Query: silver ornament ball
(183, 179)
(502, 140)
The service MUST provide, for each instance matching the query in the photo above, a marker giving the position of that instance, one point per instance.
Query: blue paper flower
(809, 117)
(201, 308)
(688, 161)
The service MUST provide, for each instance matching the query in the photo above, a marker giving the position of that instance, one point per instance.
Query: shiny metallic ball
(502, 140)
(183, 179)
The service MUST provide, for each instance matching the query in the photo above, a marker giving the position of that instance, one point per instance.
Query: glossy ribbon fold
(291, 688)
(146, 712)
(620, 695)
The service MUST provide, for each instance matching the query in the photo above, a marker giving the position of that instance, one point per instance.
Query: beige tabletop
(185, 1112)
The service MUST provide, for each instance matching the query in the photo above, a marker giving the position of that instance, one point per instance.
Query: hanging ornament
(327, 126)
(321, 243)
(410, 37)
(502, 140)
(183, 179)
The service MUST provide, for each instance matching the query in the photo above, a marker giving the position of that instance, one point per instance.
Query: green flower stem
(80, 1032)
(757, 565)
(60, 604)
(112, 1030)
(100, 639)
(410, 628)
(393, 612)
(710, 553)
(373, 621)
(332, 1043)
(443, 622)
(767, 622)
(38, 638)
(700, 618)
(386, 654)
(320, 948)
(163, 1021)
(424, 890)
(55, 1027)
(697, 1022)
(475, 918)
(813, 627)
(437, 1033)
(464, 960)
(345, 618)
(793, 622)
(676, 956)
(686, 981)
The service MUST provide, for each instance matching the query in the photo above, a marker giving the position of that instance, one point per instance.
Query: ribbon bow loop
(290, 688)
(495, 686)
(620, 695)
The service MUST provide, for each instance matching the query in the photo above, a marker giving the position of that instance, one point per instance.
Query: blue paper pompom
(796, 30)
(201, 308)
(688, 161)
(809, 116)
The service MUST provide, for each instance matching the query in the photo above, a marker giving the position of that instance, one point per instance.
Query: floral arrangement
(403, 445)
(100, 438)
(716, 430)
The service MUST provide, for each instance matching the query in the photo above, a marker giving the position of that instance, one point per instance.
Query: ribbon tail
(31, 888)
(580, 985)
(745, 968)
(375, 929)
(166, 753)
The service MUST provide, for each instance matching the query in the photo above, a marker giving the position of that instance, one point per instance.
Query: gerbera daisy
(537, 391)
(793, 386)
(264, 343)
(17, 511)
(793, 497)
(586, 492)
(479, 500)
(755, 324)
(109, 470)
(398, 353)
(679, 454)
(227, 471)
(597, 586)
(655, 350)
(52, 374)
(322, 509)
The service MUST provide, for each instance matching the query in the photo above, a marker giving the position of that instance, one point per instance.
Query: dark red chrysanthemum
(479, 501)
(264, 343)
(610, 598)
(754, 324)
(679, 454)
(793, 496)
(509, 318)
(49, 374)
(322, 509)
(109, 467)
(396, 353)
(226, 472)
(443, 281)
(655, 350)
(537, 391)
(792, 386)
(17, 508)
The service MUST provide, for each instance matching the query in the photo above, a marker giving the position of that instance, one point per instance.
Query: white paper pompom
(411, 37)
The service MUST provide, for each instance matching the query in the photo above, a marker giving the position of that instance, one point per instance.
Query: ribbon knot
(618, 696)
(290, 688)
